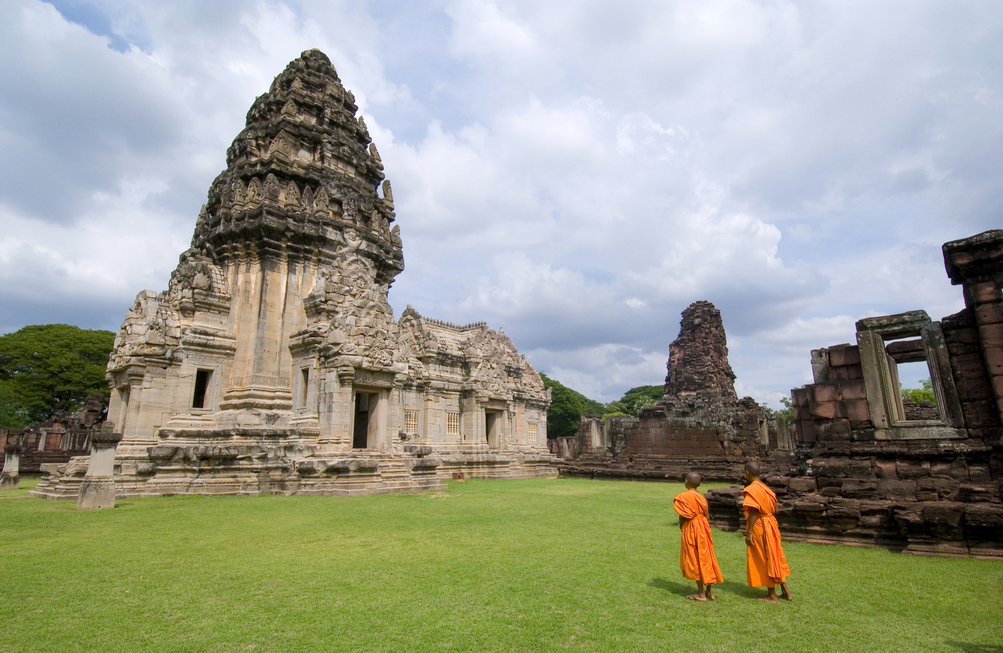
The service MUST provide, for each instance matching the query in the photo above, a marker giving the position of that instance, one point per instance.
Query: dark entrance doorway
(492, 427)
(365, 414)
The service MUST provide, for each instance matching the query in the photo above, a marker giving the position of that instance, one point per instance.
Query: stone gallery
(273, 362)
(875, 470)
(699, 424)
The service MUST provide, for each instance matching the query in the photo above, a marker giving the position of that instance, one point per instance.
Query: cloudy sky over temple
(574, 172)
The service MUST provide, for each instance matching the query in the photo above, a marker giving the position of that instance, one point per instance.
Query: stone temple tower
(273, 362)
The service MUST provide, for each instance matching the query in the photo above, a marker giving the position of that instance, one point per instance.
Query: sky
(576, 173)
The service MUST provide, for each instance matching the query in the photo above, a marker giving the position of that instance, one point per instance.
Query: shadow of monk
(975, 648)
(672, 586)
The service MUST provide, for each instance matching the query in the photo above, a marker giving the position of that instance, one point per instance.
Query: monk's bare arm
(750, 521)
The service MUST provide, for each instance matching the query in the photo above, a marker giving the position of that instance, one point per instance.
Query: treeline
(569, 405)
(48, 368)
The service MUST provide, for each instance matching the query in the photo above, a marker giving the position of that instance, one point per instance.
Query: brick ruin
(698, 425)
(273, 362)
(875, 470)
(58, 438)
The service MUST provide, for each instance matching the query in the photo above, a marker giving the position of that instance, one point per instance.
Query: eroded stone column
(12, 461)
(98, 487)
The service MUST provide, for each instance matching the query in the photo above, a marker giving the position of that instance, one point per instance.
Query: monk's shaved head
(752, 467)
(693, 479)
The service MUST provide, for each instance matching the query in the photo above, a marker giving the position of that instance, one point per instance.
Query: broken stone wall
(875, 471)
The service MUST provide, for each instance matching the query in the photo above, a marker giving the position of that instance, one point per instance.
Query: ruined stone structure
(698, 425)
(57, 439)
(875, 471)
(273, 362)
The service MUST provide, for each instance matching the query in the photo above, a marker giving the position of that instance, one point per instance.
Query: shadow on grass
(685, 589)
(975, 648)
(673, 586)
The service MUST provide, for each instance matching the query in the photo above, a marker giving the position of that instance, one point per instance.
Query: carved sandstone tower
(273, 362)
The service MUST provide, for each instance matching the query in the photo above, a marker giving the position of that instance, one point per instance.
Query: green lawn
(543, 565)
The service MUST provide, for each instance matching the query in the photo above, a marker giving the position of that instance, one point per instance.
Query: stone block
(960, 348)
(956, 469)
(911, 469)
(896, 489)
(991, 335)
(832, 468)
(855, 489)
(853, 390)
(886, 469)
(979, 473)
(979, 414)
(810, 504)
(991, 313)
(984, 292)
(973, 493)
(802, 484)
(96, 493)
(823, 410)
(944, 513)
(968, 365)
(839, 374)
(826, 392)
(856, 410)
(994, 360)
(844, 355)
(984, 515)
(974, 388)
(807, 431)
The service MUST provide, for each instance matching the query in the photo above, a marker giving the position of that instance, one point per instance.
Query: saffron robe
(765, 561)
(696, 548)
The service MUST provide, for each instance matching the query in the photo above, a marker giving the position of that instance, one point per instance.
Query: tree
(787, 412)
(566, 409)
(635, 399)
(47, 368)
(919, 395)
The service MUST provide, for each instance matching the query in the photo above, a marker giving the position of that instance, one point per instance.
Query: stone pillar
(97, 490)
(12, 461)
(976, 263)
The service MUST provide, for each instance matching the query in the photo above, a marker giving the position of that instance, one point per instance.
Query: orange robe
(765, 560)
(696, 550)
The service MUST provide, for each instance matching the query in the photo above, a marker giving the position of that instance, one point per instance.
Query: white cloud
(577, 173)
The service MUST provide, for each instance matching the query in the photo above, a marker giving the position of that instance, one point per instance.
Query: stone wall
(873, 470)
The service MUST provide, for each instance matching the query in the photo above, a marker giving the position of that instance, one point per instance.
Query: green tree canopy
(635, 399)
(566, 409)
(919, 395)
(46, 368)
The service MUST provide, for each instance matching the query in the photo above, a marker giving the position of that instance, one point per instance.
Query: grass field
(543, 565)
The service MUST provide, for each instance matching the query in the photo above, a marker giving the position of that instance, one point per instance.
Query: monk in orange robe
(765, 559)
(696, 549)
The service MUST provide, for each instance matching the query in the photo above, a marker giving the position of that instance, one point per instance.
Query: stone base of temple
(294, 470)
(662, 468)
(9, 481)
(972, 527)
